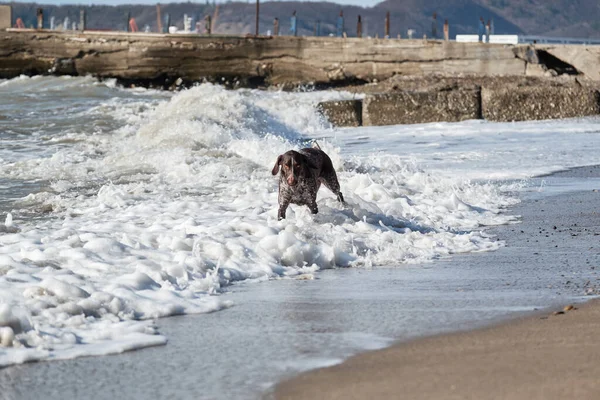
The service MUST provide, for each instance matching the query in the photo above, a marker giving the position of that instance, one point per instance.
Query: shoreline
(547, 353)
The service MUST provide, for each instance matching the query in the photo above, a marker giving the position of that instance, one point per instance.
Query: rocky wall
(247, 60)
(500, 104)
(537, 103)
(419, 107)
(342, 113)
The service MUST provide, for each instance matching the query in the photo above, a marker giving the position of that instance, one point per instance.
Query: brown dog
(302, 173)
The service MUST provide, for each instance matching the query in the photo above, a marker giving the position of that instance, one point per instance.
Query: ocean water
(120, 206)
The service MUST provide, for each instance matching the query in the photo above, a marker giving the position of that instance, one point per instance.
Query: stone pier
(537, 103)
(406, 107)
(499, 104)
(177, 60)
(250, 60)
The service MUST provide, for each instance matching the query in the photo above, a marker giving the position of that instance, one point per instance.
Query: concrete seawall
(492, 104)
(535, 103)
(565, 77)
(160, 58)
(416, 107)
(500, 104)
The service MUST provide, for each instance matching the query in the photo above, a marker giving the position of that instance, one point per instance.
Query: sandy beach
(542, 357)
(552, 354)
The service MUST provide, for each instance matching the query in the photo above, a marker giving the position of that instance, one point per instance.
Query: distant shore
(550, 355)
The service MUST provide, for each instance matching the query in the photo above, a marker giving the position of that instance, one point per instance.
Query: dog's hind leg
(332, 184)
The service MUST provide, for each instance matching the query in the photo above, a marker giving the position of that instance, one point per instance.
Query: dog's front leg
(284, 200)
(282, 210)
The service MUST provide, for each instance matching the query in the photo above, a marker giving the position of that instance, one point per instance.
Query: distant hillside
(570, 18)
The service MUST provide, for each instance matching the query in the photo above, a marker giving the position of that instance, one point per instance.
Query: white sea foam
(19, 79)
(173, 200)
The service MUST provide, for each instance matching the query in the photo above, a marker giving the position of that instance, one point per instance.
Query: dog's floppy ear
(275, 170)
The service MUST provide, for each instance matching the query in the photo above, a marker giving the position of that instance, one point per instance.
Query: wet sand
(542, 356)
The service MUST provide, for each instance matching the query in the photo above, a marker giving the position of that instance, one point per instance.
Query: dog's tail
(315, 145)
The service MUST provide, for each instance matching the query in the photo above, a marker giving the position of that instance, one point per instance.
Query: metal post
(294, 24)
(340, 25)
(257, 11)
(159, 26)
(446, 31)
(186, 27)
(40, 18)
(167, 22)
(6, 20)
(208, 25)
(359, 27)
(127, 22)
(82, 20)
(276, 27)
(387, 25)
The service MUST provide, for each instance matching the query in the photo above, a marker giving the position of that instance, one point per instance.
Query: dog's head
(294, 166)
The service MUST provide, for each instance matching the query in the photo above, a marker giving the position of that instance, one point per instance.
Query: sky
(364, 3)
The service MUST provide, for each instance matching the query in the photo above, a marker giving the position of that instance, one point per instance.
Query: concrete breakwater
(155, 58)
(161, 59)
(503, 104)
(363, 64)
